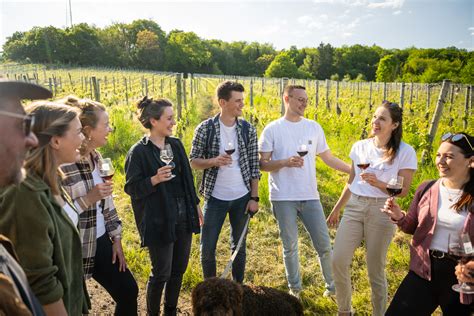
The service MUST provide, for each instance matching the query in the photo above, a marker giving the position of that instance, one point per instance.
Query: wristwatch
(255, 198)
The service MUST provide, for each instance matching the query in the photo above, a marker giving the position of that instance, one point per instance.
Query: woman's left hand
(201, 217)
(117, 253)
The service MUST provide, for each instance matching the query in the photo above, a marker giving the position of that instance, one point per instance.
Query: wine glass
(460, 246)
(302, 150)
(166, 155)
(106, 172)
(229, 149)
(363, 162)
(106, 169)
(395, 186)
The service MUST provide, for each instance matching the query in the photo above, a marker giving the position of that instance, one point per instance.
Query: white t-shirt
(282, 137)
(71, 213)
(449, 221)
(229, 182)
(100, 221)
(381, 167)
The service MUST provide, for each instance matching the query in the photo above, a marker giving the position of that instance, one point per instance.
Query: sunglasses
(28, 120)
(455, 138)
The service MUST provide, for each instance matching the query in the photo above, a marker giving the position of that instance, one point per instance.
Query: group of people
(61, 226)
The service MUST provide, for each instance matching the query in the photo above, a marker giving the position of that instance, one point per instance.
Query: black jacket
(154, 209)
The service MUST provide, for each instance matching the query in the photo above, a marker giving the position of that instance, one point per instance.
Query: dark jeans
(168, 264)
(417, 296)
(120, 285)
(215, 212)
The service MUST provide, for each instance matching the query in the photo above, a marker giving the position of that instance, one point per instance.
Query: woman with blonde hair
(99, 224)
(34, 217)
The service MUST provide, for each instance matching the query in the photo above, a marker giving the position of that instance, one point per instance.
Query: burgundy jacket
(420, 221)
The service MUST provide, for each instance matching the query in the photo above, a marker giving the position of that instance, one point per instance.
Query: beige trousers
(362, 220)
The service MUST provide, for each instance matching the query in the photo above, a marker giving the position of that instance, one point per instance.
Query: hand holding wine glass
(460, 245)
(363, 163)
(166, 155)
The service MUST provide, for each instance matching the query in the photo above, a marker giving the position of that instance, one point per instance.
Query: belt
(443, 255)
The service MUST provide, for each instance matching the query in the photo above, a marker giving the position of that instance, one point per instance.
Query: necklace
(452, 196)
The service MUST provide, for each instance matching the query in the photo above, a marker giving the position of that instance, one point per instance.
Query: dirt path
(103, 304)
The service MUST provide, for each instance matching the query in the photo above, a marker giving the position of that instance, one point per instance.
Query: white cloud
(346, 34)
(471, 28)
(394, 4)
(311, 22)
(374, 4)
(398, 12)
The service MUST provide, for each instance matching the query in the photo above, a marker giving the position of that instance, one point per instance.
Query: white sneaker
(295, 293)
(329, 293)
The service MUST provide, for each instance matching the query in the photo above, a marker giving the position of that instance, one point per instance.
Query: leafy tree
(186, 52)
(325, 66)
(84, 44)
(148, 53)
(282, 66)
(387, 69)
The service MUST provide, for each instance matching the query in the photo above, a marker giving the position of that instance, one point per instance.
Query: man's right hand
(294, 162)
(222, 160)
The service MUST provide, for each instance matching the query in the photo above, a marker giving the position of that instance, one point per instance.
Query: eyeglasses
(301, 100)
(28, 120)
(455, 138)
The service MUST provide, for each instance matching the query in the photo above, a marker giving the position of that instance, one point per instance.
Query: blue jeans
(215, 212)
(311, 214)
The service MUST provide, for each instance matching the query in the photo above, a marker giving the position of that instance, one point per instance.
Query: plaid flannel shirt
(248, 158)
(77, 182)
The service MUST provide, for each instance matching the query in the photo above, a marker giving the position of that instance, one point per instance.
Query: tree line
(143, 44)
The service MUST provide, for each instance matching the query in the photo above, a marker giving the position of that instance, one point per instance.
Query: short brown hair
(224, 90)
(289, 88)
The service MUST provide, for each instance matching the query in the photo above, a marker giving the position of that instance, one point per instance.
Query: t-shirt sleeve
(321, 144)
(265, 142)
(408, 158)
(353, 152)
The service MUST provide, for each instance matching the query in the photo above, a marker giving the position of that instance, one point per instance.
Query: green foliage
(143, 44)
(282, 66)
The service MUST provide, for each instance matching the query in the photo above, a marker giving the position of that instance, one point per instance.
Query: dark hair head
(396, 114)
(224, 89)
(464, 142)
(149, 108)
(289, 88)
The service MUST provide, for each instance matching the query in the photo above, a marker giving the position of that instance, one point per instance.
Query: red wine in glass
(393, 190)
(395, 185)
(363, 166)
(229, 151)
(302, 150)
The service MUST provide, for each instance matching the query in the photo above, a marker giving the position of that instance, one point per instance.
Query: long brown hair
(51, 119)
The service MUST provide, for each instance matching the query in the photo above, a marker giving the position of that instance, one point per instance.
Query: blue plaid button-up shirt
(248, 160)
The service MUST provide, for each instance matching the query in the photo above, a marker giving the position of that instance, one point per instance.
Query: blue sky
(304, 23)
